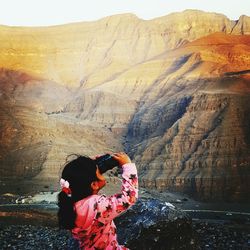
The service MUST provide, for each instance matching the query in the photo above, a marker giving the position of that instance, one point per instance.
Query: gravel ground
(222, 236)
(209, 235)
(33, 237)
(19, 230)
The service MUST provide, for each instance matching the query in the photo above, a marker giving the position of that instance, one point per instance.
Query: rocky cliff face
(36, 132)
(205, 152)
(173, 92)
(198, 125)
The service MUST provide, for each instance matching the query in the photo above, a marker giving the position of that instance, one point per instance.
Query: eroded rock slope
(173, 92)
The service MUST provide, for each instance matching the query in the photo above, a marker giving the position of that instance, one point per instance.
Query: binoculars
(106, 162)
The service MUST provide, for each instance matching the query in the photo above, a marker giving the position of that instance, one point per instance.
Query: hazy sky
(53, 12)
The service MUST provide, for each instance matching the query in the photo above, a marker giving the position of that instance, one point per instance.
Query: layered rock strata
(173, 92)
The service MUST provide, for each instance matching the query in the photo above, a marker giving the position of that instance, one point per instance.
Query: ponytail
(66, 213)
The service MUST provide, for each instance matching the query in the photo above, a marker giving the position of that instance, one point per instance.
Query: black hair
(79, 172)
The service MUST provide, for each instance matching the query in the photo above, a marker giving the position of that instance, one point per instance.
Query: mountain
(173, 92)
(191, 132)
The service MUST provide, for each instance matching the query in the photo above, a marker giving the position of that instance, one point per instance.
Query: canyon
(173, 92)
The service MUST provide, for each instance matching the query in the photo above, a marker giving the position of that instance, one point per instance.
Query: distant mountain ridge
(65, 53)
(172, 91)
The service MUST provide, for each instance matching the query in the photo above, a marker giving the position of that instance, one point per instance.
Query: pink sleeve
(108, 207)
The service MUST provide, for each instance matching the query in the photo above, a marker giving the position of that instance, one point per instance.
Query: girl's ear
(94, 185)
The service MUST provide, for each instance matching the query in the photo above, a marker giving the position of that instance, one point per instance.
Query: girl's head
(83, 176)
(84, 179)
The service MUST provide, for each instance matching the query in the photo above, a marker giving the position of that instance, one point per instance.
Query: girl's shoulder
(87, 201)
(85, 211)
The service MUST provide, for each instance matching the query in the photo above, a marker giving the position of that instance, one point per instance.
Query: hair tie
(65, 187)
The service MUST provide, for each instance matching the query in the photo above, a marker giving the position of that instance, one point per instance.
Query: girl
(87, 214)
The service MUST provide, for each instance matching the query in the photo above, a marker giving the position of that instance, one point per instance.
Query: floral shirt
(95, 228)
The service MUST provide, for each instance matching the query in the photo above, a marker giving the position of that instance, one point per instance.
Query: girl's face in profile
(101, 179)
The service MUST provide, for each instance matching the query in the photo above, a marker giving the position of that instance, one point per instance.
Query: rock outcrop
(151, 224)
(172, 91)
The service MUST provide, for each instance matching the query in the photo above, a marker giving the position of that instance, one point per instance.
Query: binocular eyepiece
(106, 162)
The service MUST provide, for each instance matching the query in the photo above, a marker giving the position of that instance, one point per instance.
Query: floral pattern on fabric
(95, 228)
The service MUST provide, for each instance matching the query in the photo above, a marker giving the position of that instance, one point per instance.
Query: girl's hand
(122, 158)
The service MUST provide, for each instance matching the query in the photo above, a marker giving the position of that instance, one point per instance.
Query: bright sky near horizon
(54, 12)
